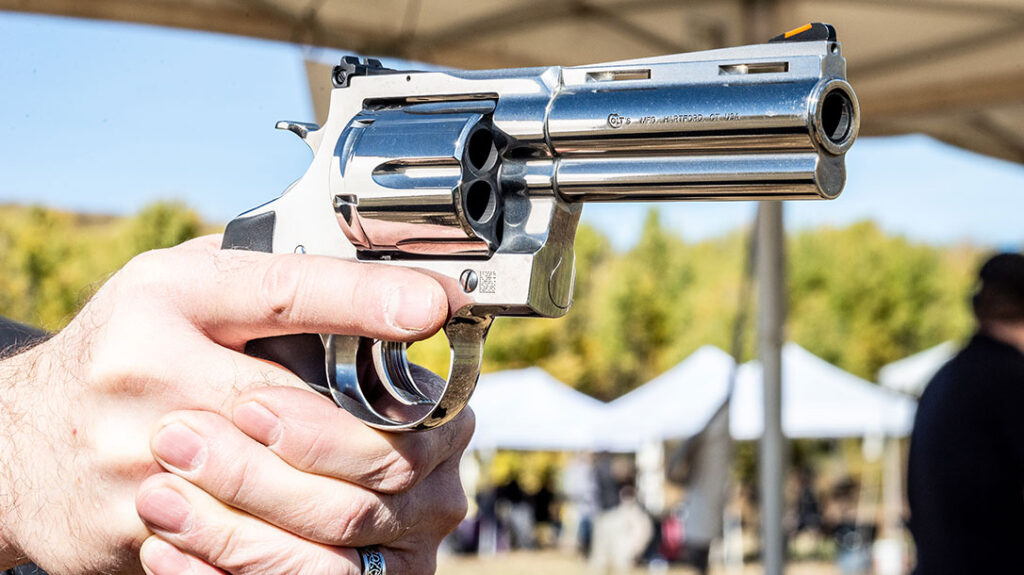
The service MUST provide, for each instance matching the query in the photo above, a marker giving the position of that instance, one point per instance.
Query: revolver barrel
(719, 117)
(782, 140)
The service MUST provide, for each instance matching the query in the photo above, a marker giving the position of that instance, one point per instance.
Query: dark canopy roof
(953, 69)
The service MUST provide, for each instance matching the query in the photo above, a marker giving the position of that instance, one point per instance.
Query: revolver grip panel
(252, 233)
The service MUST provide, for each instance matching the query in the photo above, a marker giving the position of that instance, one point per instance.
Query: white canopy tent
(911, 374)
(530, 410)
(819, 400)
(677, 403)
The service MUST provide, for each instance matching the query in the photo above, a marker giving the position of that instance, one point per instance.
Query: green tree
(161, 225)
(53, 261)
(860, 298)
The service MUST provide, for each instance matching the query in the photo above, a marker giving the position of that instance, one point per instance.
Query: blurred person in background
(579, 484)
(808, 511)
(853, 538)
(621, 535)
(546, 512)
(966, 462)
(515, 515)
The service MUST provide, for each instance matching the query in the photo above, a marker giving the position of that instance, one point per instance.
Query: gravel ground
(556, 563)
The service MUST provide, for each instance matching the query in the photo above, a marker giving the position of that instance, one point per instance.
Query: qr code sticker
(488, 281)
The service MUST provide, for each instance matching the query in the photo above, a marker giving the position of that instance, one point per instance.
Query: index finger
(236, 296)
(312, 434)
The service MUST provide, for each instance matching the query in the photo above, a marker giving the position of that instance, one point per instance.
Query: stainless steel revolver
(478, 178)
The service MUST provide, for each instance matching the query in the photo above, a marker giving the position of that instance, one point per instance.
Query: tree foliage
(51, 261)
(858, 297)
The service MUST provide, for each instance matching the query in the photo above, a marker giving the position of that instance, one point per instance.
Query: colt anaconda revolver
(478, 178)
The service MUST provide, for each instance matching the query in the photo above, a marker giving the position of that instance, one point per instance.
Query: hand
(327, 484)
(166, 333)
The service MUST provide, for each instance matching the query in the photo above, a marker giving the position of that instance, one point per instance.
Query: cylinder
(419, 182)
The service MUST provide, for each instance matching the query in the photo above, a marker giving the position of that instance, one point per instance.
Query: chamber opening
(480, 201)
(837, 116)
(480, 150)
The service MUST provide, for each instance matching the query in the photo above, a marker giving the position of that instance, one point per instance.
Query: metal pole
(772, 315)
(761, 22)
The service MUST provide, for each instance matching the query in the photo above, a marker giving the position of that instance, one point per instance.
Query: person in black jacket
(966, 468)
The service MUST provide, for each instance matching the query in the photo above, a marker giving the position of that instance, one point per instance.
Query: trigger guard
(362, 380)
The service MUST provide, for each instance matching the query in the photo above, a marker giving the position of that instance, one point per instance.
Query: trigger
(392, 367)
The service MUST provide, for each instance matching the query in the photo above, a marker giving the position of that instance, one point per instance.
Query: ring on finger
(373, 561)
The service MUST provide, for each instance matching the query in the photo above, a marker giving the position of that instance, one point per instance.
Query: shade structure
(819, 400)
(676, 404)
(949, 68)
(528, 409)
(911, 375)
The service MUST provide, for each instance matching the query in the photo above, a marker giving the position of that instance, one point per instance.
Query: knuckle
(234, 481)
(452, 505)
(456, 511)
(312, 453)
(357, 519)
(401, 469)
(118, 373)
(279, 287)
(146, 271)
(465, 426)
(227, 549)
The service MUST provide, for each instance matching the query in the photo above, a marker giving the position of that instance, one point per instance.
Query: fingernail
(165, 510)
(180, 447)
(258, 422)
(411, 309)
(160, 557)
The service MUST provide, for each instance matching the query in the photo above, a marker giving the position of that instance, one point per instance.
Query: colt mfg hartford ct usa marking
(478, 178)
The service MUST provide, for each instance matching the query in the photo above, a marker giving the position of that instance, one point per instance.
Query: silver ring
(373, 561)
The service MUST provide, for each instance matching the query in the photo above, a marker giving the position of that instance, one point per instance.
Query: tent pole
(770, 268)
(762, 19)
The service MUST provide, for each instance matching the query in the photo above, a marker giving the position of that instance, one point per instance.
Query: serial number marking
(618, 120)
(488, 281)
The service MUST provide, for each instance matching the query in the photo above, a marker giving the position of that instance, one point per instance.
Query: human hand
(166, 333)
(327, 485)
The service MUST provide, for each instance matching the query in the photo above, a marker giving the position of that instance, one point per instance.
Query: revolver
(478, 178)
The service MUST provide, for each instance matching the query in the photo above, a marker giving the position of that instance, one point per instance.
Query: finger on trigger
(258, 295)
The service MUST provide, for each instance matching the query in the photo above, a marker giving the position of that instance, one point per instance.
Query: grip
(252, 233)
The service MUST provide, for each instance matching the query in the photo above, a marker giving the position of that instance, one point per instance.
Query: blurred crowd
(591, 506)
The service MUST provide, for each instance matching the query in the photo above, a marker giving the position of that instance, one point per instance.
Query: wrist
(16, 374)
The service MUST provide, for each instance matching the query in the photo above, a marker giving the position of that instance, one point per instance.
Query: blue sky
(106, 117)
